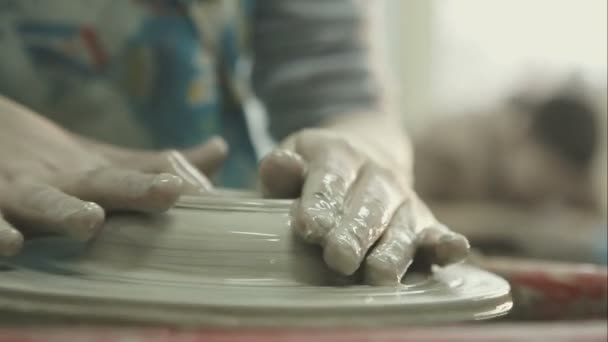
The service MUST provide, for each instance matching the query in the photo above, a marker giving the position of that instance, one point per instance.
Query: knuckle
(362, 233)
(37, 197)
(313, 223)
(89, 177)
(332, 185)
(47, 201)
(382, 261)
(322, 138)
(306, 228)
(374, 205)
(383, 174)
(115, 180)
(401, 237)
(405, 219)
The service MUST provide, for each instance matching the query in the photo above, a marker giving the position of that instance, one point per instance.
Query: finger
(11, 241)
(369, 206)
(329, 175)
(208, 157)
(282, 174)
(41, 208)
(116, 189)
(394, 252)
(175, 163)
(194, 181)
(442, 246)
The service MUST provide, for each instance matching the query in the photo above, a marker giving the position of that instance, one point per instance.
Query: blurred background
(458, 54)
(506, 103)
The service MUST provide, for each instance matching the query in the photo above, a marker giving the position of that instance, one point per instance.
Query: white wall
(483, 48)
(449, 54)
(408, 25)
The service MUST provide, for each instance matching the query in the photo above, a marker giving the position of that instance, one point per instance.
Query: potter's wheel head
(223, 262)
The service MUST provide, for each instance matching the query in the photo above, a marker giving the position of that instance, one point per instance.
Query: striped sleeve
(311, 61)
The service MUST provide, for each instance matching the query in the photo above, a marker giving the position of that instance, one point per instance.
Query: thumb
(282, 174)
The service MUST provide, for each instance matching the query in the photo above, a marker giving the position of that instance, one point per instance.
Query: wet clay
(221, 261)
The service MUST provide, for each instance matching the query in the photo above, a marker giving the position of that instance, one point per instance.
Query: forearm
(319, 64)
(312, 62)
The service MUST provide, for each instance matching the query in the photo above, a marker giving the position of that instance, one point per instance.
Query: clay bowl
(228, 260)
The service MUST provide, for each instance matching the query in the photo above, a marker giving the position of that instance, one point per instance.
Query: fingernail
(315, 226)
(166, 183)
(192, 181)
(11, 242)
(219, 143)
(325, 221)
(342, 254)
(86, 222)
(164, 191)
(381, 270)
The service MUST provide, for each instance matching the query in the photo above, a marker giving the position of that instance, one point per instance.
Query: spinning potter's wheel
(225, 262)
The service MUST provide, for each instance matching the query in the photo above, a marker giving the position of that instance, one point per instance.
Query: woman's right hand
(54, 182)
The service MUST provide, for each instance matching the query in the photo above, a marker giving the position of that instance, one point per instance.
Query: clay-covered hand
(52, 181)
(360, 210)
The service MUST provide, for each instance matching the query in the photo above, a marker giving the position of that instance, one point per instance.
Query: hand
(358, 208)
(54, 182)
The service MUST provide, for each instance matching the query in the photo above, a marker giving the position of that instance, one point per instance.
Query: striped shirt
(171, 73)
